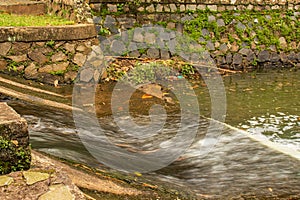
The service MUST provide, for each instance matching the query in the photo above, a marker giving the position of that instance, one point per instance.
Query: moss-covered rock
(14, 141)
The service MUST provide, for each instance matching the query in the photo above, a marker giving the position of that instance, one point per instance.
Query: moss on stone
(266, 27)
(13, 157)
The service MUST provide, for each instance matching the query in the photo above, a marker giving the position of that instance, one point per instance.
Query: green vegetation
(46, 20)
(21, 157)
(263, 27)
(187, 70)
(148, 72)
(13, 66)
(104, 32)
(50, 43)
(151, 70)
(58, 73)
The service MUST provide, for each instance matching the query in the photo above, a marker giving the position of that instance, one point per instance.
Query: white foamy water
(280, 128)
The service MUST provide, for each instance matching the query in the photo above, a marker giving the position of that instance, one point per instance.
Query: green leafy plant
(50, 43)
(20, 158)
(120, 7)
(187, 70)
(254, 62)
(58, 73)
(103, 31)
(162, 23)
(13, 65)
(148, 72)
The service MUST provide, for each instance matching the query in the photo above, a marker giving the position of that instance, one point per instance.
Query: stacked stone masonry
(55, 56)
(50, 54)
(49, 62)
(175, 6)
(76, 10)
(232, 50)
(156, 42)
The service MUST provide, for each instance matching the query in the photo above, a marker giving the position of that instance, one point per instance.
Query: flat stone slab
(34, 177)
(5, 180)
(58, 192)
(23, 7)
(47, 33)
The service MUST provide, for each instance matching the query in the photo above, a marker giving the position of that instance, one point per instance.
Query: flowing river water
(264, 161)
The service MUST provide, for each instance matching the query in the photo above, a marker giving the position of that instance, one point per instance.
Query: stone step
(23, 7)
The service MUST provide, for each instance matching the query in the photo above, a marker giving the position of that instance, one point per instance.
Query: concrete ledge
(14, 141)
(23, 7)
(55, 33)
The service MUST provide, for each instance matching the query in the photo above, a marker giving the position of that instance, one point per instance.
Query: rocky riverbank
(52, 179)
(45, 180)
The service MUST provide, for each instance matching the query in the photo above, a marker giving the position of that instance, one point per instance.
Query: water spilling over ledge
(237, 166)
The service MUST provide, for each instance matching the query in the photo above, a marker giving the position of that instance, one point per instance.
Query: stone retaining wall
(239, 43)
(76, 10)
(181, 6)
(54, 54)
(47, 54)
(14, 141)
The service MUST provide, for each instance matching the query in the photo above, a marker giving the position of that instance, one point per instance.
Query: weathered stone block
(118, 47)
(264, 56)
(20, 48)
(38, 56)
(14, 141)
(153, 53)
(70, 76)
(112, 8)
(135, 54)
(150, 8)
(274, 57)
(237, 59)
(60, 56)
(159, 8)
(70, 47)
(3, 64)
(31, 71)
(20, 58)
(86, 75)
(46, 69)
(4, 48)
(79, 59)
(164, 54)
